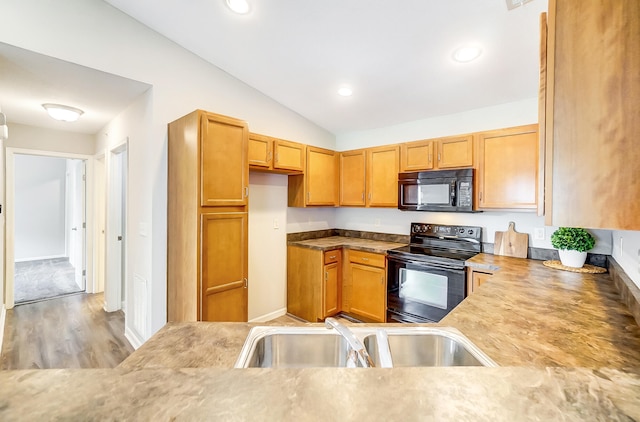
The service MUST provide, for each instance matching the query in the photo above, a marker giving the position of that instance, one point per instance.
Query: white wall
(40, 225)
(37, 138)
(626, 250)
(94, 34)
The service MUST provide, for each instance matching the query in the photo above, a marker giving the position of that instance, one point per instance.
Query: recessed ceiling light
(345, 91)
(238, 6)
(62, 112)
(466, 54)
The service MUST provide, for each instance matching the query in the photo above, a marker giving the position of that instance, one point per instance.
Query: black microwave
(439, 190)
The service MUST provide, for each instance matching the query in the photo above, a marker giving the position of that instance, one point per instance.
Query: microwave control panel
(465, 194)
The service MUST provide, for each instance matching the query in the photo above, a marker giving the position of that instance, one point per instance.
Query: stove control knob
(470, 231)
(423, 228)
(461, 229)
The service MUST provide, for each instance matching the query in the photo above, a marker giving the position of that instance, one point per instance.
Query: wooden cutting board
(511, 243)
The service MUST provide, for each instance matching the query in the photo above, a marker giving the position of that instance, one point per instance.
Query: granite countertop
(567, 347)
(332, 242)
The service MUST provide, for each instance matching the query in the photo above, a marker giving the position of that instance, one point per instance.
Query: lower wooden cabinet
(313, 282)
(365, 286)
(475, 279)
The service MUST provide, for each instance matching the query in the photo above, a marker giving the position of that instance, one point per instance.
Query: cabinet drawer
(331, 256)
(367, 258)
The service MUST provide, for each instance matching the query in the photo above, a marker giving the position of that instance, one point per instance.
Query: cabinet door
(260, 152)
(382, 176)
(416, 156)
(352, 180)
(593, 98)
(321, 177)
(331, 299)
(508, 164)
(288, 155)
(224, 169)
(223, 285)
(456, 151)
(368, 291)
(476, 279)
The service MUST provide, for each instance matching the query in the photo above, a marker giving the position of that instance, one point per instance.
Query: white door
(101, 223)
(77, 220)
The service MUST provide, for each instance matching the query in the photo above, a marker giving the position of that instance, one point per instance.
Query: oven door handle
(425, 264)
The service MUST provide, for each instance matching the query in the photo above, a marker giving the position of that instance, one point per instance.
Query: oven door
(420, 292)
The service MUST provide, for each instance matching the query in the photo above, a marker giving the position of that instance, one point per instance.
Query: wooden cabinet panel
(288, 155)
(331, 288)
(508, 167)
(368, 291)
(455, 151)
(382, 176)
(224, 266)
(475, 279)
(206, 221)
(260, 151)
(321, 177)
(416, 156)
(352, 178)
(367, 258)
(224, 171)
(593, 100)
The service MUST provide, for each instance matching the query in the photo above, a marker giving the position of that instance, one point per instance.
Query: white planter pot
(572, 258)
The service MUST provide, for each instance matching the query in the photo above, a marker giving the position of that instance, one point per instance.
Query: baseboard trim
(270, 316)
(3, 315)
(133, 338)
(40, 258)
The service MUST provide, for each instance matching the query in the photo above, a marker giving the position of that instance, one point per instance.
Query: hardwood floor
(67, 332)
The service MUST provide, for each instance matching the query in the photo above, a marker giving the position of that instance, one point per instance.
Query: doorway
(49, 226)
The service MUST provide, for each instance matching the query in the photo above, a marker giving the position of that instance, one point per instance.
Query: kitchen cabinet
(318, 186)
(382, 176)
(508, 168)
(365, 286)
(432, 154)
(314, 282)
(275, 155)
(592, 100)
(207, 233)
(352, 178)
(475, 279)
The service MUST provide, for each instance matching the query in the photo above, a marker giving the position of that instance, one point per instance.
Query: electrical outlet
(621, 246)
(276, 226)
(538, 233)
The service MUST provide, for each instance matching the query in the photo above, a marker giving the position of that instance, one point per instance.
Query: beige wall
(37, 138)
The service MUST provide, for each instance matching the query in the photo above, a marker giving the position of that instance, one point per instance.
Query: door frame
(116, 263)
(9, 273)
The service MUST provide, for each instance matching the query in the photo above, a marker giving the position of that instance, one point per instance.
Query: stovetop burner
(443, 244)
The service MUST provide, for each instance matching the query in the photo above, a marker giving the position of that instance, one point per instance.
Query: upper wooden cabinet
(318, 186)
(443, 153)
(592, 108)
(508, 168)
(382, 176)
(207, 218)
(224, 175)
(352, 178)
(271, 154)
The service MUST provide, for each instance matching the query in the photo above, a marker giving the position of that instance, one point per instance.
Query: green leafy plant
(572, 238)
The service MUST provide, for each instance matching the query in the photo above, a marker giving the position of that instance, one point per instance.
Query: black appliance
(426, 279)
(441, 190)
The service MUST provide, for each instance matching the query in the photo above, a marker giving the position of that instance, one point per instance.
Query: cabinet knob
(246, 282)
(332, 257)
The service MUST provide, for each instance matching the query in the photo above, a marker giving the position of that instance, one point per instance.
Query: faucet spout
(356, 345)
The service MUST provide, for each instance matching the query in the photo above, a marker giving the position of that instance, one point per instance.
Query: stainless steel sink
(429, 347)
(293, 347)
(317, 346)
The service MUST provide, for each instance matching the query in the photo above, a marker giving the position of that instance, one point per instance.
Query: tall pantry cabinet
(207, 218)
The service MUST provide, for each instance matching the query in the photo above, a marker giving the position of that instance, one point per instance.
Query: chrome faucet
(357, 348)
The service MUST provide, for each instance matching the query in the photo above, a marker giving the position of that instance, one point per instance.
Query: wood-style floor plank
(68, 332)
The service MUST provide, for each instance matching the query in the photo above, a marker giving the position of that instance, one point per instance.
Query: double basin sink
(317, 346)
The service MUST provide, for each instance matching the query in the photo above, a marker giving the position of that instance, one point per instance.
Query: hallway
(43, 279)
(67, 332)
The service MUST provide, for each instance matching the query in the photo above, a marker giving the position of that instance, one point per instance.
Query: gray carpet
(43, 279)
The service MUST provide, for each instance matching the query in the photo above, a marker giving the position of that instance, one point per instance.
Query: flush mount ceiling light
(239, 6)
(466, 54)
(345, 91)
(62, 112)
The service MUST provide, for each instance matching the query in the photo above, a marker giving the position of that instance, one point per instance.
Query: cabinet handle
(332, 257)
(246, 283)
(363, 196)
(381, 280)
(369, 196)
(326, 275)
(308, 196)
(276, 157)
(269, 155)
(246, 191)
(365, 259)
(480, 196)
(438, 156)
(429, 157)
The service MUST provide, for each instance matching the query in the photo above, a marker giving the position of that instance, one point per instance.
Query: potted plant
(572, 244)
